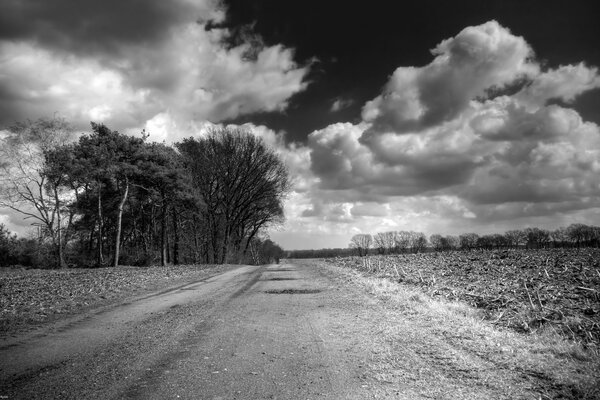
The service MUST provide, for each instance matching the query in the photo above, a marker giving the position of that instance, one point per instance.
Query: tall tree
(163, 176)
(102, 162)
(242, 184)
(24, 184)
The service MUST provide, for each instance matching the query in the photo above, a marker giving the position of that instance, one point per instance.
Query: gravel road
(250, 333)
(292, 331)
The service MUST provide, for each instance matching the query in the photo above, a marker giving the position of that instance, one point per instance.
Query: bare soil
(32, 297)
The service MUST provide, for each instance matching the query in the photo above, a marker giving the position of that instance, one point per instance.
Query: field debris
(32, 296)
(526, 290)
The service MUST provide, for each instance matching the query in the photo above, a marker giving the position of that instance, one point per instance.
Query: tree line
(110, 198)
(395, 242)
(575, 235)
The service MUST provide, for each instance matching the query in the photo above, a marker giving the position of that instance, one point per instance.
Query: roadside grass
(525, 290)
(418, 330)
(30, 297)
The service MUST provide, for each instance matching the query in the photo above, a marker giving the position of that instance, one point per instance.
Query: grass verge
(435, 348)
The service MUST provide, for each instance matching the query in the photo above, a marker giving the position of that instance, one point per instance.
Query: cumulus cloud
(448, 140)
(465, 66)
(163, 60)
(564, 83)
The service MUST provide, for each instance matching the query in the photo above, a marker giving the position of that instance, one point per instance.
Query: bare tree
(468, 241)
(379, 243)
(559, 236)
(24, 186)
(362, 243)
(515, 238)
(402, 240)
(384, 242)
(437, 241)
(418, 241)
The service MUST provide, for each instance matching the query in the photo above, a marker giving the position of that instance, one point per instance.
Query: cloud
(110, 27)
(102, 68)
(340, 103)
(447, 141)
(564, 83)
(465, 66)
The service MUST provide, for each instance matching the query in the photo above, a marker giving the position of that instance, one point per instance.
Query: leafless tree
(515, 238)
(437, 241)
(385, 242)
(418, 241)
(24, 186)
(468, 241)
(402, 240)
(362, 243)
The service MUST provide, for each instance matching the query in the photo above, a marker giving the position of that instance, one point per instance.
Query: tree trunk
(225, 246)
(119, 219)
(214, 240)
(59, 246)
(195, 230)
(99, 256)
(175, 236)
(163, 233)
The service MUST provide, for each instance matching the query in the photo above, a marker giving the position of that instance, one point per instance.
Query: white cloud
(79, 89)
(189, 74)
(443, 150)
(477, 59)
(565, 83)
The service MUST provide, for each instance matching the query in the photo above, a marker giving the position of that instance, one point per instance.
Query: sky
(433, 116)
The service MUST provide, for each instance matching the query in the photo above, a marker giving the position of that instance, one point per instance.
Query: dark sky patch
(360, 44)
(92, 27)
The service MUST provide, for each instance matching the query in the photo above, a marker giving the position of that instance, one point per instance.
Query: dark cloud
(138, 63)
(92, 27)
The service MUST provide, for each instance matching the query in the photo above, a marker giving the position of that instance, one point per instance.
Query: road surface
(287, 332)
(251, 333)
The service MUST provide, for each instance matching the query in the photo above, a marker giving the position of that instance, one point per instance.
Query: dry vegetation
(526, 290)
(427, 347)
(29, 297)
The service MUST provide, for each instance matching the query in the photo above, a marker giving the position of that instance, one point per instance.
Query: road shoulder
(425, 348)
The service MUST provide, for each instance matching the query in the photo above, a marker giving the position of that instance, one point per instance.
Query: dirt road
(275, 332)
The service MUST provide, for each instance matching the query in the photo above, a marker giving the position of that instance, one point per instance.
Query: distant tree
(385, 242)
(559, 237)
(515, 238)
(418, 241)
(24, 184)
(403, 241)
(264, 251)
(362, 243)
(497, 240)
(379, 243)
(437, 242)
(536, 237)
(453, 242)
(468, 241)
(484, 242)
